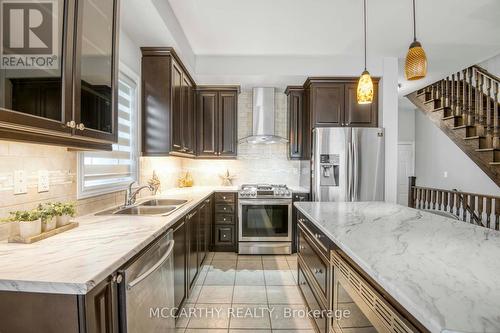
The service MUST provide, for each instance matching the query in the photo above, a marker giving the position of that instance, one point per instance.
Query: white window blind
(105, 172)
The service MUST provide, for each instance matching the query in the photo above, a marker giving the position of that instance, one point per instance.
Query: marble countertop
(73, 262)
(446, 273)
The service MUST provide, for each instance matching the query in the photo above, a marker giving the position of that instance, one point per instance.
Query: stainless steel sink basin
(153, 207)
(163, 202)
(143, 210)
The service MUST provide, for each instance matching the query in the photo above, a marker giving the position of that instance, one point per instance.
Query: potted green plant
(64, 212)
(48, 216)
(29, 222)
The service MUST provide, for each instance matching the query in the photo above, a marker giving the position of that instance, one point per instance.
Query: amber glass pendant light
(416, 60)
(364, 92)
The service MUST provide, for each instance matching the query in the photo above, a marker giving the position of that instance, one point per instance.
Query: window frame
(132, 77)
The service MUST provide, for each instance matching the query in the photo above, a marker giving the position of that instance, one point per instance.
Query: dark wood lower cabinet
(296, 197)
(101, 308)
(180, 260)
(314, 304)
(225, 233)
(192, 221)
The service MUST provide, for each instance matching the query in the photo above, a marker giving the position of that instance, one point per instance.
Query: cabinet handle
(117, 278)
(224, 198)
(71, 124)
(318, 271)
(81, 126)
(318, 236)
(301, 220)
(302, 247)
(303, 283)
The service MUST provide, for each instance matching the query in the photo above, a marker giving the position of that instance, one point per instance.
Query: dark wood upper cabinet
(228, 123)
(332, 103)
(207, 123)
(360, 115)
(298, 124)
(73, 103)
(217, 112)
(327, 104)
(168, 108)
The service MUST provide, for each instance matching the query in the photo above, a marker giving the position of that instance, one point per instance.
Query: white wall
(406, 121)
(437, 154)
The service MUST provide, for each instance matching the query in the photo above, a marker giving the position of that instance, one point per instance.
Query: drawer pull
(318, 271)
(301, 220)
(303, 283)
(224, 197)
(302, 247)
(224, 219)
(318, 236)
(225, 208)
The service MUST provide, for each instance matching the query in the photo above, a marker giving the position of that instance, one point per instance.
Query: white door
(406, 168)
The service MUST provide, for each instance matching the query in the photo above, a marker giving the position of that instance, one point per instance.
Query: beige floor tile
(293, 331)
(279, 278)
(220, 278)
(195, 292)
(225, 256)
(275, 265)
(250, 278)
(284, 295)
(205, 330)
(250, 294)
(249, 265)
(216, 294)
(249, 331)
(249, 316)
(222, 265)
(180, 330)
(282, 318)
(213, 316)
(251, 257)
(274, 258)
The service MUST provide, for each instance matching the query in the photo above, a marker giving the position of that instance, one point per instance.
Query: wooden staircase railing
(479, 209)
(465, 106)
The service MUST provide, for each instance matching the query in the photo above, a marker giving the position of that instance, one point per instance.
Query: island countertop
(445, 272)
(74, 261)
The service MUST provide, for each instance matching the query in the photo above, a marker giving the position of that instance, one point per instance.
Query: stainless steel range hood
(263, 122)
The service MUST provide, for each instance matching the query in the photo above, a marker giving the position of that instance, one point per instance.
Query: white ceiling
(292, 39)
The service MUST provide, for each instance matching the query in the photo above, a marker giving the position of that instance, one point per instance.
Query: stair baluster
(496, 126)
(481, 105)
(470, 111)
(458, 95)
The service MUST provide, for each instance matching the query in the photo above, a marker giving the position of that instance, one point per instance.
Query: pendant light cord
(364, 15)
(414, 23)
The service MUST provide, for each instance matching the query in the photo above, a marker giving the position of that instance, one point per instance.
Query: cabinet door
(227, 124)
(96, 70)
(176, 114)
(327, 104)
(188, 119)
(192, 225)
(40, 97)
(360, 115)
(180, 264)
(202, 226)
(207, 120)
(296, 122)
(101, 308)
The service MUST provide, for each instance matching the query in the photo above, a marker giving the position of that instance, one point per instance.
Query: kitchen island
(444, 272)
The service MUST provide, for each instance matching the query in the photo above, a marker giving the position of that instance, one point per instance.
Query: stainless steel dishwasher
(147, 290)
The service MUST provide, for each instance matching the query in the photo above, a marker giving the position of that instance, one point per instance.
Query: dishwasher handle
(150, 271)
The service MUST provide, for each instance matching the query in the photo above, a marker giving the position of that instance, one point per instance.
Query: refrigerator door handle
(355, 169)
(349, 171)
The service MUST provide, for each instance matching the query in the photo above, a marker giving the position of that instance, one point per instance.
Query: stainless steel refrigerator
(348, 164)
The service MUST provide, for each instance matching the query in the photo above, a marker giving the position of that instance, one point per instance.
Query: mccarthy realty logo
(29, 34)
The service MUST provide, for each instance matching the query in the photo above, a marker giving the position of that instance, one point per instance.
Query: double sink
(153, 207)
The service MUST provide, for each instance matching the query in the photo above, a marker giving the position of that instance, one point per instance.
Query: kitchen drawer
(313, 302)
(224, 219)
(224, 197)
(323, 243)
(224, 234)
(316, 263)
(224, 208)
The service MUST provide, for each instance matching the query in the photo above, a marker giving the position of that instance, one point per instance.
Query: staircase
(465, 106)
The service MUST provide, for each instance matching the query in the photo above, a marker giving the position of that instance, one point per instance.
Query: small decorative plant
(64, 211)
(48, 215)
(29, 222)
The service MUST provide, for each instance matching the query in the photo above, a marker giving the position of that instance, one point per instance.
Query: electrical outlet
(445, 174)
(20, 185)
(43, 181)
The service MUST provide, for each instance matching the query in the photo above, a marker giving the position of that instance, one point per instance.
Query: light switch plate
(445, 174)
(43, 181)
(20, 185)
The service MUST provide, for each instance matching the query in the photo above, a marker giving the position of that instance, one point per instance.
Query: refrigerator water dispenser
(329, 167)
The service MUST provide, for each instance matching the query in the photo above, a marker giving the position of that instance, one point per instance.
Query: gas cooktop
(267, 191)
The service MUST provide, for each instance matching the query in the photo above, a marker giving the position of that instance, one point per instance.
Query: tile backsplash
(255, 164)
